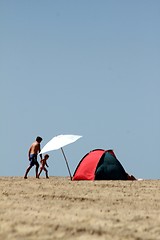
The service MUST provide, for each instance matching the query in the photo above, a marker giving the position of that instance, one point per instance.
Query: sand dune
(57, 208)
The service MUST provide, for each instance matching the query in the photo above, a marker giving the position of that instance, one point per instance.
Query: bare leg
(37, 167)
(27, 171)
(40, 172)
(46, 172)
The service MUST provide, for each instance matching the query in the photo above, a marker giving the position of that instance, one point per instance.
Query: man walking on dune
(32, 155)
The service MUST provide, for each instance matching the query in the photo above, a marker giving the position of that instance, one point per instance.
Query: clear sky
(88, 67)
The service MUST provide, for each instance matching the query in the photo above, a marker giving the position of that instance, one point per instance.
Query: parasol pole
(67, 164)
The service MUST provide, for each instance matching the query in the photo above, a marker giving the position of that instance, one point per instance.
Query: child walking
(43, 164)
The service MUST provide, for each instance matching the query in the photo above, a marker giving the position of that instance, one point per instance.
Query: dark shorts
(33, 160)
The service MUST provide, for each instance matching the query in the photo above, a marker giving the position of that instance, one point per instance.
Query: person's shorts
(33, 160)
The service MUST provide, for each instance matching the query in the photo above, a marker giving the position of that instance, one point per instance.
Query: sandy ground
(57, 208)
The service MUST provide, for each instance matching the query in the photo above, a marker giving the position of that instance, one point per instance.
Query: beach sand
(57, 208)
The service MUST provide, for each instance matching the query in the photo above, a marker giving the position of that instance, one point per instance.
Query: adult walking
(34, 149)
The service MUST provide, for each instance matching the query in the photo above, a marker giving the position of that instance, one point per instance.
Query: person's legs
(46, 171)
(27, 171)
(40, 171)
(33, 161)
(37, 167)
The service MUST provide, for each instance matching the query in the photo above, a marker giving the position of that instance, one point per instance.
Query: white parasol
(57, 143)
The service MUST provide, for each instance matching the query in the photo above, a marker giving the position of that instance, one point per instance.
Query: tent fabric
(109, 168)
(100, 164)
(87, 166)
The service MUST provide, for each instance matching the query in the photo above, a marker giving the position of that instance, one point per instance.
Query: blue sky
(84, 67)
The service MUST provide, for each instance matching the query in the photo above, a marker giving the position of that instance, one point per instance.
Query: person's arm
(29, 153)
(40, 151)
(47, 164)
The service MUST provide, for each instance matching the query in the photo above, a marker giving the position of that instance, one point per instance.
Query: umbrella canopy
(59, 142)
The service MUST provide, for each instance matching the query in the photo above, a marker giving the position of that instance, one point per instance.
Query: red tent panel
(87, 167)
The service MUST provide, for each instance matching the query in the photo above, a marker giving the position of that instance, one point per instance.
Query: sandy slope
(57, 208)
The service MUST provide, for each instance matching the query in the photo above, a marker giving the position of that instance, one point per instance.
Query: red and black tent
(100, 164)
